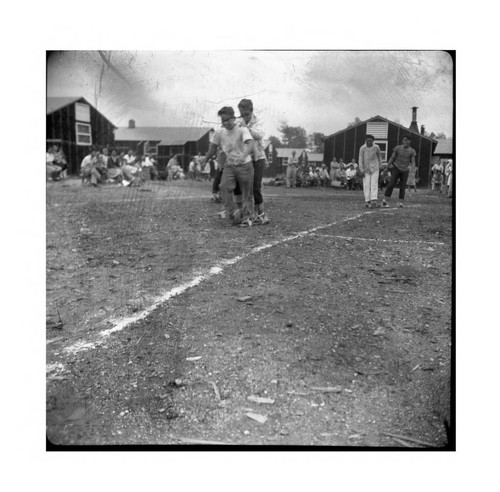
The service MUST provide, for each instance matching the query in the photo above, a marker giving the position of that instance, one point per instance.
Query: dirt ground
(339, 336)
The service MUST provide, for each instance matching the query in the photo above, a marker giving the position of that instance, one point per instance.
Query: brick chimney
(414, 125)
(131, 123)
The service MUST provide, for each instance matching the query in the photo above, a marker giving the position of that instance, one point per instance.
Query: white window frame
(382, 152)
(79, 133)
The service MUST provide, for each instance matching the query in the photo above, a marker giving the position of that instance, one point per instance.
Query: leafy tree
(316, 141)
(355, 122)
(440, 136)
(275, 141)
(293, 136)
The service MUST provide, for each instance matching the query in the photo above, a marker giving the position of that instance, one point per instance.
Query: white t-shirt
(129, 158)
(232, 143)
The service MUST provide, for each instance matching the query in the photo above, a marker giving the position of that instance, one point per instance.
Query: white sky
(318, 90)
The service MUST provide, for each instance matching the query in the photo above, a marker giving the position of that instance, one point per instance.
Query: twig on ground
(410, 439)
(216, 390)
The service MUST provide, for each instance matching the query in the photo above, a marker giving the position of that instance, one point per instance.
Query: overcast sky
(319, 91)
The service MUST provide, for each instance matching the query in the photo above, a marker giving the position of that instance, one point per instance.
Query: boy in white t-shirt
(237, 144)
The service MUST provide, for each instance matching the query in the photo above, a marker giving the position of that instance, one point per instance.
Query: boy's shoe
(374, 204)
(401, 205)
(261, 219)
(367, 204)
(237, 217)
(125, 183)
(384, 204)
(223, 215)
(246, 223)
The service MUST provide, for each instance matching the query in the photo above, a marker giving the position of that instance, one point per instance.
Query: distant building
(278, 159)
(444, 148)
(76, 126)
(388, 134)
(164, 142)
(315, 158)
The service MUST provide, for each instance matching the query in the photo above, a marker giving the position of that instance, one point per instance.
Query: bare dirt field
(330, 326)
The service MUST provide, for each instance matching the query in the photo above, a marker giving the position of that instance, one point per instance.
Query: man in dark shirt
(399, 164)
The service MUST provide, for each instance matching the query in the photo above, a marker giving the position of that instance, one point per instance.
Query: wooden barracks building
(76, 126)
(345, 143)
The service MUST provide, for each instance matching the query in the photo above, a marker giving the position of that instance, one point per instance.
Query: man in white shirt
(369, 166)
(291, 171)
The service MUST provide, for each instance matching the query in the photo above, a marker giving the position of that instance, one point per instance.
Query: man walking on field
(369, 166)
(399, 164)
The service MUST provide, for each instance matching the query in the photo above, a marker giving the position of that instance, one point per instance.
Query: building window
(285, 161)
(378, 129)
(82, 112)
(151, 148)
(382, 144)
(83, 134)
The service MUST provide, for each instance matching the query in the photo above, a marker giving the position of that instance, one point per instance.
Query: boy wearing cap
(399, 164)
(369, 167)
(237, 144)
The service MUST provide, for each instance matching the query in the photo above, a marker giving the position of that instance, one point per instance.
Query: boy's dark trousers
(217, 180)
(396, 174)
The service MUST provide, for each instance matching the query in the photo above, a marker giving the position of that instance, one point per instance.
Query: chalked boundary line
(376, 240)
(176, 291)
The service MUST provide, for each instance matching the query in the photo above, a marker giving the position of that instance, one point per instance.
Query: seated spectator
(341, 176)
(131, 170)
(324, 176)
(148, 168)
(114, 169)
(60, 160)
(90, 169)
(350, 175)
(53, 171)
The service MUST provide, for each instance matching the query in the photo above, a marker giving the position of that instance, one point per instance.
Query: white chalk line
(350, 238)
(83, 345)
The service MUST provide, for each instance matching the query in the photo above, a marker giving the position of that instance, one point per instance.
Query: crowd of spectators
(107, 165)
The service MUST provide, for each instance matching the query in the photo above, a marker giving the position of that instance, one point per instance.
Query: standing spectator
(334, 165)
(172, 164)
(342, 164)
(191, 169)
(206, 171)
(412, 178)
(353, 162)
(259, 159)
(437, 176)
(403, 156)
(198, 166)
(449, 181)
(291, 171)
(369, 167)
